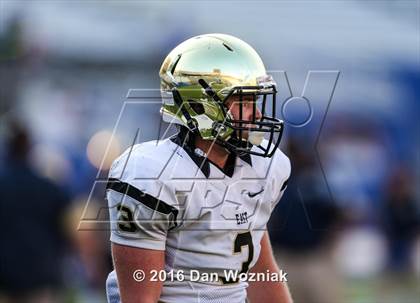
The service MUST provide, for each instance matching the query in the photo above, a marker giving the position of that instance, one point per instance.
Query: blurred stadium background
(347, 229)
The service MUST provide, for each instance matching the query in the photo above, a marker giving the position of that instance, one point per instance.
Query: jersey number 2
(241, 240)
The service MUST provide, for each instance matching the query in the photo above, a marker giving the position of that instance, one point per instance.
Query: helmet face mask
(250, 131)
(204, 76)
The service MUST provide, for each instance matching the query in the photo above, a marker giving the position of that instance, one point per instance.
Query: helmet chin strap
(255, 137)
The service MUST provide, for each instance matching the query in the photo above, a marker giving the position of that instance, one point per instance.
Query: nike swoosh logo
(252, 195)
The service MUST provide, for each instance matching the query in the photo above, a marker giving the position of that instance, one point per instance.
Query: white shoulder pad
(142, 207)
(143, 166)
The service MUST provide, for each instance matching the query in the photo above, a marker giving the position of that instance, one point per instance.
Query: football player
(188, 214)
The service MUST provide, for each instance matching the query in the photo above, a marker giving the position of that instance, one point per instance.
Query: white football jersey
(166, 196)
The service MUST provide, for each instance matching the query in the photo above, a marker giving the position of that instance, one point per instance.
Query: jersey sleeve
(281, 176)
(140, 206)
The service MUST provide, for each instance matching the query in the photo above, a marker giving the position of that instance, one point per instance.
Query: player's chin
(245, 134)
(250, 135)
(246, 128)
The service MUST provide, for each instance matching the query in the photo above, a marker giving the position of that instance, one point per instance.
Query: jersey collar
(186, 141)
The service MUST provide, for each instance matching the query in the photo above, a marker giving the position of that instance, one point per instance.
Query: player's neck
(215, 153)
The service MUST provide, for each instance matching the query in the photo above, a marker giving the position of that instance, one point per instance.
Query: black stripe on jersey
(142, 197)
(284, 185)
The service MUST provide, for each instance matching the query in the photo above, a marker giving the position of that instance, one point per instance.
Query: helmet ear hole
(197, 107)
